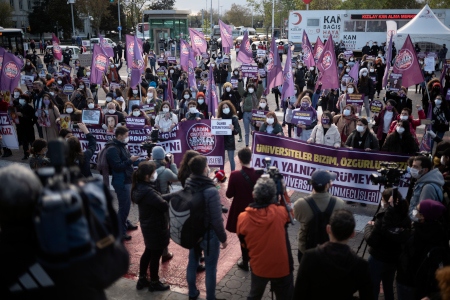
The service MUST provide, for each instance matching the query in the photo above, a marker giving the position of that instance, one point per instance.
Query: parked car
(75, 50)
(97, 41)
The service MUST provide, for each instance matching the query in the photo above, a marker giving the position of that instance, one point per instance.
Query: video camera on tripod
(390, 175)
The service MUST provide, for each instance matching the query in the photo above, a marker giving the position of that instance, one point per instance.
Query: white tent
(424, 27)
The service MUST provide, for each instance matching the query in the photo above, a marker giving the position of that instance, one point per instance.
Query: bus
(216, 32)
(238, 31)
(12, 39)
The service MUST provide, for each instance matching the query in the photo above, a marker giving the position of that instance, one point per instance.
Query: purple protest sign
(130, 49)
(171, 59)
(245, 55)
(304, 117)
(135, 122)
(68, 89)
(198, 42)
(297, 160)
(406, 63)
(376, 106)
(234, 83)
(137, 65)
(106, 46)
(66, 70)
(12, 65)
(98, 65)
(288, 83)
(355, 99)
(8, 131)
(149, 109)
(395, 82)
(226, 35)
(308, 57)
(56, 49)
(259, 115)
(250, 71)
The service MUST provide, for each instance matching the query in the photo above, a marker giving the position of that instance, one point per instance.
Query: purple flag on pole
(106, 47)
(388, 63)
(130, 49)
(192, 64)
(354, 72)
(318, 49)
(226, 35)
(308, 57)
(198, 41)
(57, 52)
(211, 93)
(274, 71)
(12, 65)
(288, 83)
(184, 55)
(169, 93)
(327, 66)
(245, 52)
(137, 66)
(2, 51)
(406, 64)
(99, 64)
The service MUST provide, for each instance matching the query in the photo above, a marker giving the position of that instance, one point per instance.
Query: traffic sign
(119, 28)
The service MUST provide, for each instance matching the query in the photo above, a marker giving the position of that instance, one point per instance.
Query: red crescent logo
(299, 19)
(428, 11)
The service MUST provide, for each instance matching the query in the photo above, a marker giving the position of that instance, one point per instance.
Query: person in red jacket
(240, 188)
(262, 228)
(405, 115)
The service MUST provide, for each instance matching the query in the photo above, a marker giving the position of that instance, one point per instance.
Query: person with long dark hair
(78, 157)
(226, 110)
(154, 224)
(440, 117)
(184, 172)
(401, 140)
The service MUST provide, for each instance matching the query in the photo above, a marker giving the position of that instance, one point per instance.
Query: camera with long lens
(389, 175)
(151, 142)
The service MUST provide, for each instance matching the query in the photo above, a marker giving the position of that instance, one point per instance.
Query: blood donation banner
(188, 135)
(297, 160)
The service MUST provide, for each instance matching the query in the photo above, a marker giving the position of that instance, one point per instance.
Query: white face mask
(414, 173)
(400, 130)
(81, 86)
(346, 112)
(88, 74)
(312, 68)
(16, 94)
(91, 105)
(372, 70)
(226, 111)
(192, 110)
(251, 90)
(165, 109)
(236, 73)
(295, 91)
(136, 113)
(213, 65)
(154, 177)
(438, 102)
(52, 93)
(126, 140)
(69, 110)
(108, 99)
(404, 118)
(135, 92)
(22, 101)
(171, 71)
(111, 111)
(350, 90)
(360, 128)
(443, 160)
(270, 121)
(347, 70)
(59, 82)
(262, 104)
(228, 89)
(364, 74)
(150, 95)
(186, 97)
(201, 101)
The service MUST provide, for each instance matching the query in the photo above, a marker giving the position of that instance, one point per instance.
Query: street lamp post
(120, 27)
(71, 2)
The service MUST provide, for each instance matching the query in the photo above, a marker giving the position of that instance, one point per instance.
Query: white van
(97, 41)
(75, 50)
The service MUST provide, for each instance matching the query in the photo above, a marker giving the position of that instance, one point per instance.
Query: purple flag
(288, 84)
(192, 64)
(354, 72)
(106, 47)
(137, 66)
(388, 63)
(12, 65)
(327, 66)
(274, 71)
(406, 64)
(2, 51)
(169, 93)
(198, 41)
(130, 49)
(99, 64)
(226, 35)
(184, 55)
(57, 52)
(211, 93)
(245, 52)
(308, 57)
(318, 49)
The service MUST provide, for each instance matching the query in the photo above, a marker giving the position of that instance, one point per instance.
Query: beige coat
(331, 138)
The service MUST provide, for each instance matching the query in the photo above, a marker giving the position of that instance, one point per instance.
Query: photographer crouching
(262, 229)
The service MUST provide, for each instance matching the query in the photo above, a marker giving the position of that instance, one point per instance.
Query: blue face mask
(114, 95)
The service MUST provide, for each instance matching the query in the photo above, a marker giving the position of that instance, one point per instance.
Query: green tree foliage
(238, 15)
(98, 9)
(5, 14)
(39, 17)
(439, 3)
(162, 4)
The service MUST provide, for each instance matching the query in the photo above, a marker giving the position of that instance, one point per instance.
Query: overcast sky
(197, 5)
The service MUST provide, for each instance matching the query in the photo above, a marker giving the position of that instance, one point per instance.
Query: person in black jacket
(300, 77)
(366, 87)
(234, 97)
(385, 236)
(226, 110)
(400, 98)
(220, 77)
(78, 158)
(27, 118)
(332, 270)
(329, 102)
(154, 224)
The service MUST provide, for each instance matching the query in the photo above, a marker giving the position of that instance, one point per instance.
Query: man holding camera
(121, 164)
(320, 197)
(262, 229)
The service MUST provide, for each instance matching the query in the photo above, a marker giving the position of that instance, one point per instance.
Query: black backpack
(316, 232)
(187, 216)
(425, 278)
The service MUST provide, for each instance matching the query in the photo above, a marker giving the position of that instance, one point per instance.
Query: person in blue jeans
(214, 236)
(121, 164)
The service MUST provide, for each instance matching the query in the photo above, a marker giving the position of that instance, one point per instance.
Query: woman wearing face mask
(325, 133)
(51, 132)
(271, 125)
(405, 115)
(15, 96)
(136, 112)
(135, 94)
(384, 119)
(362, 138)
(346, 122)
(112, 71)
(226, 110)
(202, 106)
(344, 78)
(75, 114)
(263, 105)
(185, 98)
(311, 78)
(29, 68)
(302, 131)
(152, 98)
(154, 224)
(434, 90)
(162, 60)
(250, 100)
(220, 77)
(351, 61)
(290, 105)
(386, 236)
(27, 118)
(193, 113)
(91, 106)
(329, 102)
(234, 97)
(165, 121)
(38, 159)
(366, 87)
(81, 85)
(162, 84)
(400, 98)
(401, 141)
(379, 70)
(440, 118)
(342, 100)
(79, 99)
